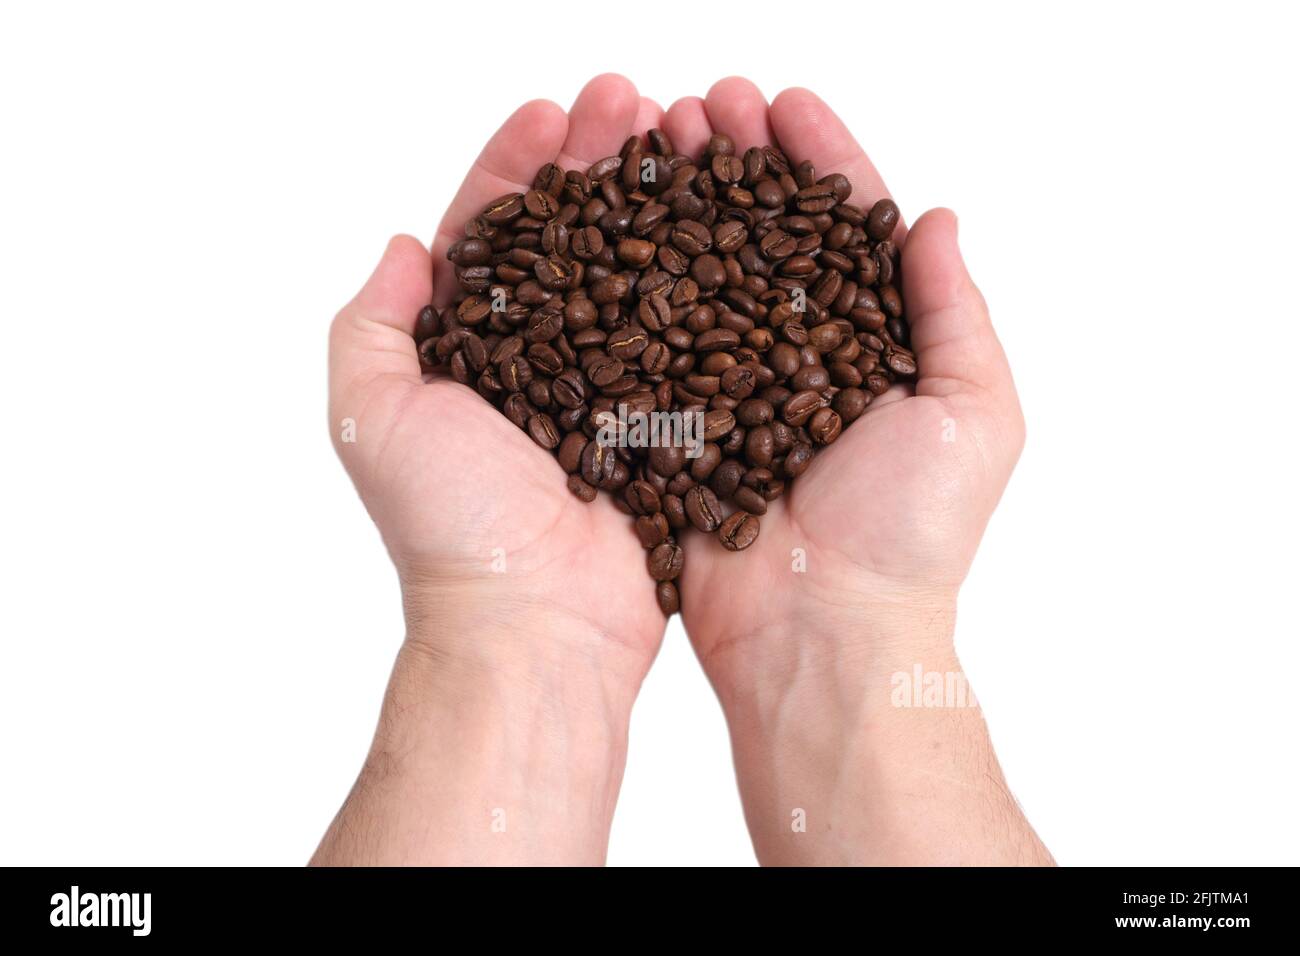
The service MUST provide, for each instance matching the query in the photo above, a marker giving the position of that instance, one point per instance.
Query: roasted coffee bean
(702, 508)
(798, 408)
(754, 411)
(726, 478)
(675, 512)
(652, 530)
(666, 560)
(503, 209)
(759, 446)
(797, 460)
(748, 296)
(882, 219)
(749, 499)
(543, 430)
(642, 498)
(667, 459)
(709, 458)
(718, 423)
(737, 533)
(667, 596)
(598, 463)
(581, 489)
(849, 403)
(824, 426)
(570, 451)
(901, 362)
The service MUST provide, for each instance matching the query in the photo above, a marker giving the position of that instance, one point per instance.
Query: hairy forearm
(861, 744)
(486, 759)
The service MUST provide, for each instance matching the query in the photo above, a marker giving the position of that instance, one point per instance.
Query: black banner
(139, 906)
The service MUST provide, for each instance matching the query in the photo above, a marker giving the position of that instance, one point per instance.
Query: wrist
(858, 740)
(480, 762)
(838, 641)
(527, 636)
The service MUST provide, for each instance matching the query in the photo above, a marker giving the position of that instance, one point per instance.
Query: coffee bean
(581, 489)
(749, 499)
(667, 459)
(816, 198)
(824, 426)
(718, 423)
(669, 601)
(665, 561)
(570, 451)
(798, 459)
(799, 407)
(738, 532)
(643, 498)
(901, 362)
(726, 478)
(675, 512)
(597, 463)
(504, 209)
(543, 431)
(692, 238)
(849, 403)
(652, 530)
(702, 508)
(882, 219)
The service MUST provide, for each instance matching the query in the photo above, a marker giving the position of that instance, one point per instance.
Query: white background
(197, 616)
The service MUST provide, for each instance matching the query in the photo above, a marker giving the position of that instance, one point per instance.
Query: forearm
(861, 744)
(484, 757)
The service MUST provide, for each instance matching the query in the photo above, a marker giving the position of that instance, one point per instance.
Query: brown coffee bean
(799, 407)
(665, 561)
(882, 219)
(581, 489)
(738, 532)
(652, 530)
(667, 596)
(824, 426)
(702, 508)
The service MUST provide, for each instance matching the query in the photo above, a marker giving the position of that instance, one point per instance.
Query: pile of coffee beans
(742, 291)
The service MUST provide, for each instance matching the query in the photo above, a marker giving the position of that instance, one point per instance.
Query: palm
(456, 490)
(902, 496)
(461, 491)
(885, 502)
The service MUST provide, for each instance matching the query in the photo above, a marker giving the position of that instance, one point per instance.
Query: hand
(474, 514)
(530, 620)
(892, 511)
(855, 572)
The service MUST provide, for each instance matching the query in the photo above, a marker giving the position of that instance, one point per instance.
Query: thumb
(372, 339)
(956, 349)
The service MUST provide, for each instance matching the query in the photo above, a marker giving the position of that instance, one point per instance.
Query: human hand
(530, 623)
(888, 517)
(854, 575)
(477, 517)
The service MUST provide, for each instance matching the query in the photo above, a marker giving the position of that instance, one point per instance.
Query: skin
(530, 627)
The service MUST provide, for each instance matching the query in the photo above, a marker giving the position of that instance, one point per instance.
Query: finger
(687, 125)
(528, 140)
(649, 116)
(956, 348)
(738, 108)
(600, 121)
(808, 129)
(371, 337)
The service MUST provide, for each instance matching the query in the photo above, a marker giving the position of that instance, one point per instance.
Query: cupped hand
(477, 518)
(886, 520)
